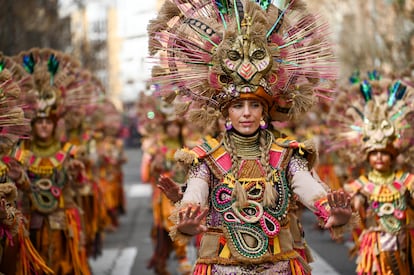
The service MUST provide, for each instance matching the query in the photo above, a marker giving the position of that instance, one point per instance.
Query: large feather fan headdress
(15, 105)
(212, 52)
(373, 114)
(60, 82)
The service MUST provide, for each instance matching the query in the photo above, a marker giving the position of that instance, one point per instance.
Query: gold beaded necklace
(246, 146)
(379, 178)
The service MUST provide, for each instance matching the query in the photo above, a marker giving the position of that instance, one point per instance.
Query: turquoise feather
(28, 63)
(366, 90)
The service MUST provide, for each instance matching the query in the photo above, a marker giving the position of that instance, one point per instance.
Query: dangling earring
(263, 124)
(228, 125)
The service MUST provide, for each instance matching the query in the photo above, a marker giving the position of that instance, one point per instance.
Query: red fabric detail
(199, 151)
(225, 162)
(274, 158)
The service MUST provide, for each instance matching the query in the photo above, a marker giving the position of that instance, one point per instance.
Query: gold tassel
(239, 194)
(270, 195)
(302, 99)
(170, 97)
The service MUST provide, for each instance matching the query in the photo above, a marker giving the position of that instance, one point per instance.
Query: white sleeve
(308, 189)
(196, 192)
(197, 185)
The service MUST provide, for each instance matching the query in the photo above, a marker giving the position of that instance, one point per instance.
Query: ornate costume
(79, 133)
(55, 219)
(110, 153)
(214, 53)
(376, 115)
(163, 136)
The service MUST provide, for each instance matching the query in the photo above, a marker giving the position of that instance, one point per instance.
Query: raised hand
(190, 221)
(170, 188)
(341, 210)
(15, 170)
(75, 168)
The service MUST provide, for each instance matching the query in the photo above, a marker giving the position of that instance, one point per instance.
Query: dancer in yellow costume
(249, 61)
(372, 123)
(170, 139)
(110, 153)
(55, 220)
(89, 195)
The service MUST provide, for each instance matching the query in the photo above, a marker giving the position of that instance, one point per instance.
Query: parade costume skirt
(374, 259)
(61, 248)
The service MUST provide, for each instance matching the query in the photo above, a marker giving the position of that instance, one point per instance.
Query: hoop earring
(228, 125)
(263, 124)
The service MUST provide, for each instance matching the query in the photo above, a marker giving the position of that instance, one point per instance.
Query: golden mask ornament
(372, 114)
(213, 52)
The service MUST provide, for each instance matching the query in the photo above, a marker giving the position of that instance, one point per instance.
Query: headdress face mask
(373, 115)
(244, 60)
(60, 81)
(378, 130)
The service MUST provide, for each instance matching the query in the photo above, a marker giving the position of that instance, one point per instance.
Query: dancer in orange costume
(110, 153)
(55, 220)
(166, 140)
(89, 195)
(372, 123)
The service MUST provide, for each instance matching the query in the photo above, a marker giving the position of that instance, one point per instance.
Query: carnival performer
(49, 203)
(17, 254)
(110, 158)
(162, 162)
(372, 124)
(76, 131)
(254, 63)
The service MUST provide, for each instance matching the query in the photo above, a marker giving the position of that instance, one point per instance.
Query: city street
(127, 250)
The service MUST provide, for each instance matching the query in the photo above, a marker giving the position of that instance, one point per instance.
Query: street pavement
(127, 250)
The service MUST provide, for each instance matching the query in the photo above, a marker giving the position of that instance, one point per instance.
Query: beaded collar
(246, 146)
(379, 178)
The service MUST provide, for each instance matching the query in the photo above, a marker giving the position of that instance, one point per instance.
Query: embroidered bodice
(47, 176)
(253, 232)
(386, 199)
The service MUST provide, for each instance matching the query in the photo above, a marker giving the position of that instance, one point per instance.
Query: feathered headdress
(59, 81)
(14, 103)
(213, 52)
(372, 114)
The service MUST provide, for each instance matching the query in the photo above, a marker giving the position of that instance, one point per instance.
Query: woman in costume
(77, 132)
(110, 152)
(253, 62)
(373, 120)
(56, 227)
(17, 254)
(170, 139)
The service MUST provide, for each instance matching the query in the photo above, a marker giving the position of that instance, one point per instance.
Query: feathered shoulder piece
(369, 114)
(59, 81)
(212, 52)
(206, 146)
